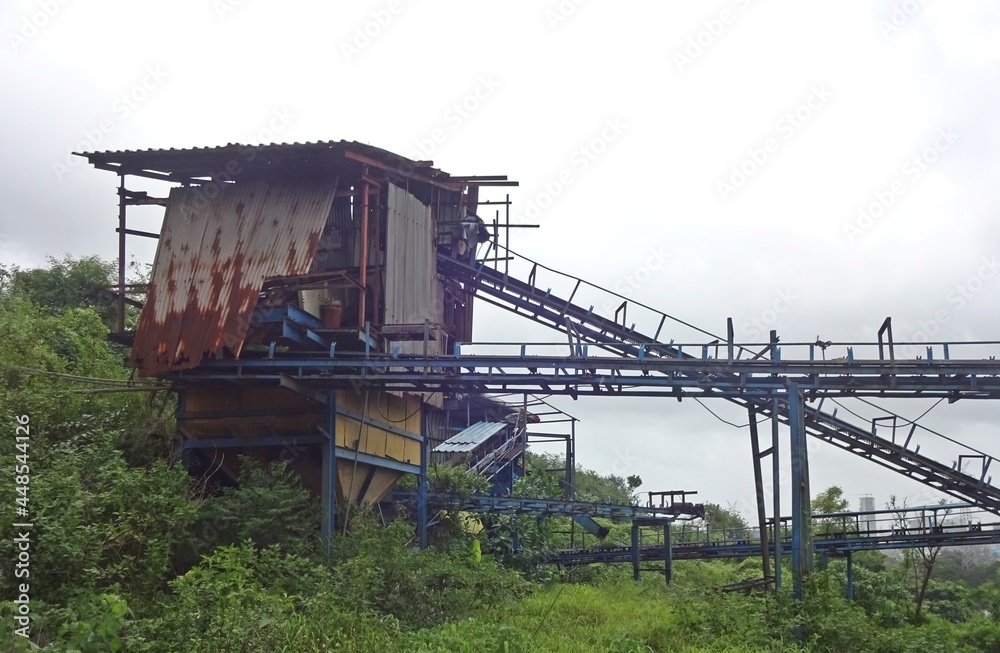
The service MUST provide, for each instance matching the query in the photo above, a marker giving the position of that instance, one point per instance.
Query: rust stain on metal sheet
(212, 260)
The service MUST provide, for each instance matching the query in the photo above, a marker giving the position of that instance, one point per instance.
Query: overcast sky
(811, 168)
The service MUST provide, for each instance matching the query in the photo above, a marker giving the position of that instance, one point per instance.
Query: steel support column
(850, 577)
(776, 534)
(422, 484)
(121, 253)
(758, 479)
(328, 491)
(570, 492)
(668, 554)
(635, 551)
(802, 553)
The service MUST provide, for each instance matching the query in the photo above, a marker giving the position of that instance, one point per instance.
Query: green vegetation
(129, 553)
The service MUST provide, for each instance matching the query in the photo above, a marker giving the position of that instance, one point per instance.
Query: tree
(830, 502)
(920, 559)
(723, 523)
(68, 283)
(633, 482)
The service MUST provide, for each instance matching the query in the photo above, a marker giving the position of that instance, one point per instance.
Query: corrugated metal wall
(211, 262)
(412, 290)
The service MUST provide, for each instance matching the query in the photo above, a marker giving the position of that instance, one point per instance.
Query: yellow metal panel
(351, 481)
(382, 407)
(238, 399)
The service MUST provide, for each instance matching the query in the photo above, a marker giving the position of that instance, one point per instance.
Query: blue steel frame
(767, 394)
(770, 387)
(855, 534)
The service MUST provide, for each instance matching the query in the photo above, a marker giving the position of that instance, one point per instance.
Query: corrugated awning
(213, 256)
(327, 158)
(471, 438)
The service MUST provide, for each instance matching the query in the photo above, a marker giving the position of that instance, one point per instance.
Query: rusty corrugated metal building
(319, 247)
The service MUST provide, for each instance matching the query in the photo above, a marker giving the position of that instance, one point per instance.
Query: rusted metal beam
(440, 183)
(136, 232)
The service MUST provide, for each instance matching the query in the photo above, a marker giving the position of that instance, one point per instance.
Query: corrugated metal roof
(211, 262)
(470, 438)
(319, 157)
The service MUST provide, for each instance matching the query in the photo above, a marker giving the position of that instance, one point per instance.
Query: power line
(725, 421)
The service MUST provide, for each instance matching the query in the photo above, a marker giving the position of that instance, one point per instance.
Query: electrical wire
(553, 604)
(725, 421)
(393, 421)
(94, 380)
(913, 421)
(594, 285)
(888, 412)
(907, 423)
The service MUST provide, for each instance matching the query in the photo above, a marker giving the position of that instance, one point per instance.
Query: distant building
(867, 504)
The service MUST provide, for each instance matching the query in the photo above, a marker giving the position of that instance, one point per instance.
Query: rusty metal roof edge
(425, 168)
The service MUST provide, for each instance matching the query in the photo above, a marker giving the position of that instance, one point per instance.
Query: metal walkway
(551, 507)
(583, 325)
(834, 535)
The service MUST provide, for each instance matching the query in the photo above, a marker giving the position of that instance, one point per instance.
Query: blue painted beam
(802, 550)
(343, 453)
(247, 442)
(592, 527)
(328, 481)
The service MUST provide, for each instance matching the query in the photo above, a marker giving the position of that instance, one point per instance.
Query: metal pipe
(364, 253)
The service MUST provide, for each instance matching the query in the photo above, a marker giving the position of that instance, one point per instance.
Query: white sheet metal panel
(212, 258)
(471, 438)
(412, 290)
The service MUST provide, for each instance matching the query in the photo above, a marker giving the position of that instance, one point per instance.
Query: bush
(417, 588)
(268, 507)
